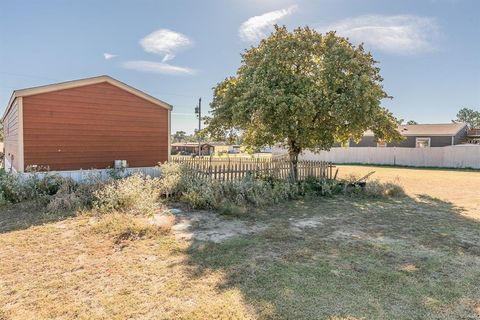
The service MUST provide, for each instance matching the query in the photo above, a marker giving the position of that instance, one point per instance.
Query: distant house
(85, 124)
(473, 136)
(420, 136)
(210, 148)
(190, 148)
(220, 147)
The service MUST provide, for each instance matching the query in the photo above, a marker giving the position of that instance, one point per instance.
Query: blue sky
(429, 51)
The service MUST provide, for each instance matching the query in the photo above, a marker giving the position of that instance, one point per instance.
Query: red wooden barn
(85, 124)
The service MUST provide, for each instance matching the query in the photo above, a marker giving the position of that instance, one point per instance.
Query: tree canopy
(182, 136)
(468, 116)
(304, 90)
(402, 121)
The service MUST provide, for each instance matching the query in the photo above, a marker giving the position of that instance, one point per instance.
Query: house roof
(79, 83)
(437, 129)
(218, 143)
(189, 144)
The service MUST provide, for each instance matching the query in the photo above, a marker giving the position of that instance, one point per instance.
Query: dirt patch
(306, 223)
(309, 222)
(209, 226)
(357, 235)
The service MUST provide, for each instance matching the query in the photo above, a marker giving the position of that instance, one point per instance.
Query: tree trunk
(293, 153)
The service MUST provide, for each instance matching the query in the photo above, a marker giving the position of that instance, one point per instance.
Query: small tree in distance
(303, 90)
(179, 136)
(468, 116)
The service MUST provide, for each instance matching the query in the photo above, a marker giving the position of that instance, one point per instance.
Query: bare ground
(416, 257)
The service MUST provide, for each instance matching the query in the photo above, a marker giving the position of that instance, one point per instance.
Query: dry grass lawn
(416, 257)
(66, 270)
(461, 188)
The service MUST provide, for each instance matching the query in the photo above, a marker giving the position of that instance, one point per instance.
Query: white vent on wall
(120, 164)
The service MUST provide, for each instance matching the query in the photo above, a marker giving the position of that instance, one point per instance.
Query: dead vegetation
(324, 258)
(123, 226)
(455, 186)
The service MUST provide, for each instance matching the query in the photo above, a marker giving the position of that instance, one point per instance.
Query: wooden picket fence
(230, 169)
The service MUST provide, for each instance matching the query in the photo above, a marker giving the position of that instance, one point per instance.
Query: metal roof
(83, 82)
(436, 129)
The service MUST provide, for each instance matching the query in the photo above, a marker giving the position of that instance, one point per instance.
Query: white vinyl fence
(459, 156)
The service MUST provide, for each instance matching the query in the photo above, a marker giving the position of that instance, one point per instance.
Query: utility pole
(198, 111)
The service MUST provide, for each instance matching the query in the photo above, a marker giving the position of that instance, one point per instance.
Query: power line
(28, 76)
(58, 80)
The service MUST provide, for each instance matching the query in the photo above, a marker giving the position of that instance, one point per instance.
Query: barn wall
(91, 126)
(11, 129)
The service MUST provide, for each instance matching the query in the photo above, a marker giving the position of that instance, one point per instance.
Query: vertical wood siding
(91, 126)
(10, 128)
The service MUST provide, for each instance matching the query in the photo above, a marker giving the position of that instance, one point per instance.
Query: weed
(232, 210)
(375, 188)
(136, 194)
(123, 226)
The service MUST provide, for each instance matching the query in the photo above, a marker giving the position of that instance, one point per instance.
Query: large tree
(468, 116)
(304, 90)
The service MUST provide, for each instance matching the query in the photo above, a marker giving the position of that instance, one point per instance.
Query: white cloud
(401, 34)
(258, 27)
(168, 57)
(109, 56)
(157, 67)
(165, 42)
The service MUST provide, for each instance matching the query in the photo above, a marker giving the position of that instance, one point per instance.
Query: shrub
(318, 187)
(136, 194)
(375, 188)
(183, 184)
(198, 192)
(85, 192)
(284, 190)
(42, 188)
(197, 199)
(64, 202)
(251, 191)
(201, 193)
(40, 185)
(72, 196)
(12, 189)
(233, 210)
(174, 178)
